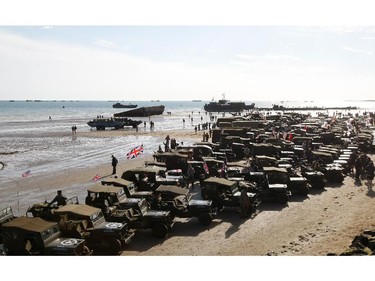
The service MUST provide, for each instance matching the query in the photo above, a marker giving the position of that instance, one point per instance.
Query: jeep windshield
(50, 232)
(96, 217)
(143, 206)
(6, 212)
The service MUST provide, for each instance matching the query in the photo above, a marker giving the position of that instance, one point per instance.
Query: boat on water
(145, 111)
(102, 123)
(120, 105)
(224, 105)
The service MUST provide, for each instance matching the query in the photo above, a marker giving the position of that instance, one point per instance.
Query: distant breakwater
(285, 108)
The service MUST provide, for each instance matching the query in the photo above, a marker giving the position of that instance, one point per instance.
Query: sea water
(36, 135)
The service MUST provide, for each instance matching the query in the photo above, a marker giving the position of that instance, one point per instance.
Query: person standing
(358, 168)
(370, 173)
(114, 164)
(244, 203)
(190, 174)
(247, 152)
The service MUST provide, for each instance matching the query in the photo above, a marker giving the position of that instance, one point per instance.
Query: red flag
(96, 178)
(26, 174)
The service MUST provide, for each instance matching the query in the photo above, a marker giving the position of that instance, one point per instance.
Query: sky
(148, 61)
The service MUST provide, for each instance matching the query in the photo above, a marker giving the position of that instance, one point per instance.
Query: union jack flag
(135, 152)
(96, 178)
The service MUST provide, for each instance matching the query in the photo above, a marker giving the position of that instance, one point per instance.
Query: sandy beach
(324, 222)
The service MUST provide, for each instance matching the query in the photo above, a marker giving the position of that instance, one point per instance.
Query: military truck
(225, 193)
(35, 236)
(88, 223)
(178, 201)
(134, 211)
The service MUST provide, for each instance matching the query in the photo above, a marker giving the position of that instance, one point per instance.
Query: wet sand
(20, 193)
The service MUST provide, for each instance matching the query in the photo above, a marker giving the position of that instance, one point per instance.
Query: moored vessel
(120, 105)
(102, 123)
(224, 105)
(142, 111)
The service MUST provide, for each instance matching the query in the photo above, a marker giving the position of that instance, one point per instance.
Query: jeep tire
(205, 219)
(282, 198)
(160, 230)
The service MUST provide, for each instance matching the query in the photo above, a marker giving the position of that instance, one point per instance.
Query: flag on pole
(26, 174)
(134, 153)
(96, 178)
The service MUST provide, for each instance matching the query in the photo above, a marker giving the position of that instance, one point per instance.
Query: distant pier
(301, 108)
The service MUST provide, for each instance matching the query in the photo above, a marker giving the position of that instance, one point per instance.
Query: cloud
(358, 51)
(105, 43)
(268, 57)
(368, 38)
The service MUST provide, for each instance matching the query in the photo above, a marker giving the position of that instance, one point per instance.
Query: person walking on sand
(114, 164)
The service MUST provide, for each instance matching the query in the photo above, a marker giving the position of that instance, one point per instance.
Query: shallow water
(29, 140)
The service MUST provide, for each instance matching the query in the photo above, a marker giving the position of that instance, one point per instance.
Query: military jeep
(267, 191)
(296, 185)
(35, 236)
(179, 202)
(6, 215)
(45, 211)
(225, 193)
(334, 173)
(137, 213)
(87, 222)
(144, 177)
(315, 178)
(134, 211)
(129, 187)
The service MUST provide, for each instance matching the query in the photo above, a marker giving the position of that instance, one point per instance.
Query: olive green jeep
(35, 236)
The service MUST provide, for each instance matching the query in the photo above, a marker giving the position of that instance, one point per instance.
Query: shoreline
(22, 192)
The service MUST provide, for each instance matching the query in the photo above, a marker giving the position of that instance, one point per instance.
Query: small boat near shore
(142, 111)
(120, 105)
(102, 123)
